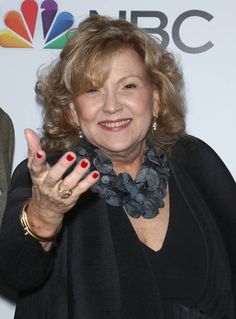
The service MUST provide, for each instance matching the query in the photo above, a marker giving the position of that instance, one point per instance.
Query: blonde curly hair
(85, 61)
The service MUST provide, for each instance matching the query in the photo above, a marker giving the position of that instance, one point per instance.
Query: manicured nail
(84, 164)
(39, 155)
(69, 157)
(95, 175)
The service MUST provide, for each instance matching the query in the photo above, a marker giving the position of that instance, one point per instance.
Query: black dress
(98, 269)
(179, 267)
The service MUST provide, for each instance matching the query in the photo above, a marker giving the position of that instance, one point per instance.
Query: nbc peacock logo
(36, 27)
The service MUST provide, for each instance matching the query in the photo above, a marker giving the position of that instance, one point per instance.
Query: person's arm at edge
(24, 264)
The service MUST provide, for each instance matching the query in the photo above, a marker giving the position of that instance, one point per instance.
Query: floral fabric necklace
(140, 197)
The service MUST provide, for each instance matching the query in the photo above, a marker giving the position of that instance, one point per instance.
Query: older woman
(118, 213)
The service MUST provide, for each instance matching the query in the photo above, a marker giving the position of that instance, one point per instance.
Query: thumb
(33, 141)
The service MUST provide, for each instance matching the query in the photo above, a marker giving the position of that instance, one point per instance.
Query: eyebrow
(130, 76)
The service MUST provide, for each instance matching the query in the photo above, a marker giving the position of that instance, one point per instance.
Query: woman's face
(117, 116)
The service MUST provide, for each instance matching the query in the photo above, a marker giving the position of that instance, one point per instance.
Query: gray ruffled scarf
(140, 197)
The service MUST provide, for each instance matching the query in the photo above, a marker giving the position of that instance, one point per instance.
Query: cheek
(84, 112)
(145, 105)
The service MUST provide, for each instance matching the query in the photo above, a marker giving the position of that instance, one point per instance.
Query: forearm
(23, 264)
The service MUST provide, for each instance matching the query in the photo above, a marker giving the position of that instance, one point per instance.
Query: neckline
(169, 226)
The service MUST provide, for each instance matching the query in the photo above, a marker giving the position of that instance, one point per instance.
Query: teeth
(115, 124)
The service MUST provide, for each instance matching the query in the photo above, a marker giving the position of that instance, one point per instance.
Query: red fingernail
(95, 175)
(69, 157)
(84, 164)
(39, 155)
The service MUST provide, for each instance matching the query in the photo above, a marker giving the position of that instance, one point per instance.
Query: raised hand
(53, 196)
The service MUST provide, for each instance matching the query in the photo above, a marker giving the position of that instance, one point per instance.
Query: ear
(156, 103)
(74, 113)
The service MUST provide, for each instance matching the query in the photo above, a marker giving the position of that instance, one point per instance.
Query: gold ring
(64, 193)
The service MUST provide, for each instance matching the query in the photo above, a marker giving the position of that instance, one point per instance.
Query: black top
(179, 267)
(99, 270)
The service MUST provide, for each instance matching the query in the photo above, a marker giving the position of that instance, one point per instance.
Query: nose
(112, 103)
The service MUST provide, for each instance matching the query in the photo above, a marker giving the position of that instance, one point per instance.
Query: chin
(121, 149)
(117, 149)
(119, 146)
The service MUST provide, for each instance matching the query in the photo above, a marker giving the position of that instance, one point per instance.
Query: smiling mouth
(115, 124)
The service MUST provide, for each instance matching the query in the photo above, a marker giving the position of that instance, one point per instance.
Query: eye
(130, 86)
(92, 91)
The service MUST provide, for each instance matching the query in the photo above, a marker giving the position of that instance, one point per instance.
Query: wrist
(38, 228)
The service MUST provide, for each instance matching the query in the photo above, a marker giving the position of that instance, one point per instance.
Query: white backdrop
(204, 42)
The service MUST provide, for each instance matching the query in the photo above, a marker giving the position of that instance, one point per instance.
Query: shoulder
(206, 170)
(193, 153)
(6, 135)
(191, 145)
(5, 119)
(209, 175)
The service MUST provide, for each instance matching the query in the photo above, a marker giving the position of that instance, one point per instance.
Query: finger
(33, 142)
(57, 171)
(36, 157)
(87, 183)
(72, 179)
(38, 164)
